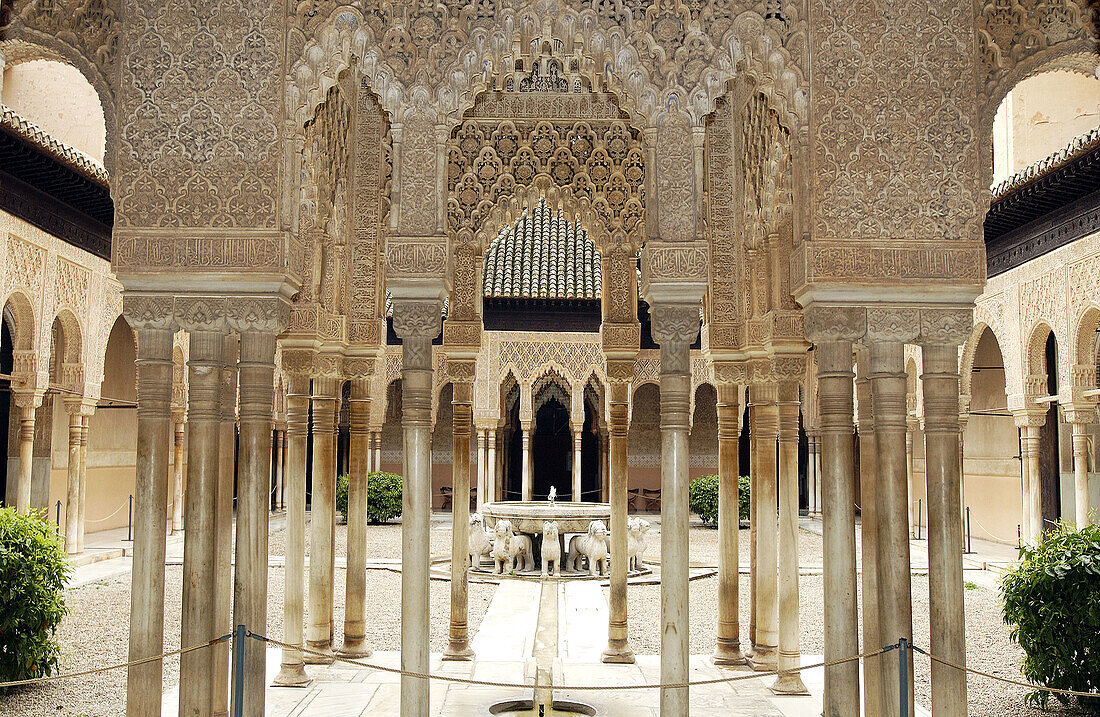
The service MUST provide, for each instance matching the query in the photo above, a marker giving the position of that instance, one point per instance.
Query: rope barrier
(117, 510)
(990, 533)
(568, 688)
(131, 663)
(1009, 680)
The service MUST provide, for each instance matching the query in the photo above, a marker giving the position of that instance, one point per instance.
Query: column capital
(297, 363)
(620, 371)
(413, 319)
(730, 374)
(892, 324)
(461, 370)
(149, 311)
(674, 322)
(945, 326)
(826, 324)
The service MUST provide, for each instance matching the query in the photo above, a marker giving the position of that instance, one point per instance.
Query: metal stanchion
(920, 507)
(903, 675)
(58, 519)
(969, 549)
(238, 671)
(130, 521)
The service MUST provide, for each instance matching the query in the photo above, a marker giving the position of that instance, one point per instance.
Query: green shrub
(342, 497)
(703, 498)
(383, 497)
(33, 570)
(1052, 602)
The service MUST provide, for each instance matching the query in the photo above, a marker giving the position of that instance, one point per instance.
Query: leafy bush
(342, 497)
(33, 570)
(703, 498)
(1052, 602)
(383, 496)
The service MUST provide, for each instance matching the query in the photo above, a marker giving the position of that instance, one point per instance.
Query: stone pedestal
(154, 395)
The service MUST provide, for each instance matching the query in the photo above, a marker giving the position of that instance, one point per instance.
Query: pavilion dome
(543, 255)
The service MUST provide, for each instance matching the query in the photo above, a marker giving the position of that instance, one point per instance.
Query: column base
(728, 652)
(789, 684)
(354, 648)
(763, 659)
(324, 647)
(458, 651)
(292, 676)
(617, 652)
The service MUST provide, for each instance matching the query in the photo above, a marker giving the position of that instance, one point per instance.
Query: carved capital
(730, 373)
(789, 368)
(268, 314)
(298, 363)
(674, 323)
(946, 326)
(201, 313)
(417, 319)
(328, 365)
(148, 311)
(835, 323)
(620, 371)
(891, 324)
(461, 370)
(359, 367)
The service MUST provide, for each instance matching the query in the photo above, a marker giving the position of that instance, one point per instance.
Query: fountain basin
(528, 516)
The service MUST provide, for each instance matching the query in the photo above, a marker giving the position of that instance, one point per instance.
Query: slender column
(834, 371)
(910, 430)
(869, 531)
(378, 450)
(945, 565)
(605, 468)
(754, 515)
(789, 657)
(728, 650)
(765, 497)
(72, 494)
(279, 457)
(322, 520)
(257, 388)
(481, 469)
(292, 668)
(618, 645)
(675, 326)
(204, 410)
(458, 646)
(818, 474)
(177, 473)
(491, 464)
(893, 568)
(417, 323)
(26, 450)
(576, 477)
(1035, 481)
(223, 524)
(1081, 473)
(1025, 479)
(85, 421)
(526, 485)
(154, 396)
(356, 576)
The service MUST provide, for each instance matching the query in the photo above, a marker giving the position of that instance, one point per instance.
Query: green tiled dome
(543, 256)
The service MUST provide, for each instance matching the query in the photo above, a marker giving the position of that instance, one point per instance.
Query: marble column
(355, 603)
(378, 450)
(85, 423)
(481, 469)
(789, 659)
(177, 471)
(72, 493)
(834, 372)
(675, 326)
(869, 531)
(605, 468)
(888, 383)
(458, 644)
(417, 323)
(945, 564)
(279, 458)
(292, 668)
(526, 484)
(1081, 473)
(257, 389)
(28, 406)
(319, 627)
(910, 432)
(765, 428)
(223, 524)
(1035, 478)
(199, 573)
(818, 475)
(728, 649)
(493, 474)
(154, 422)
(577, 496)
(618, 648)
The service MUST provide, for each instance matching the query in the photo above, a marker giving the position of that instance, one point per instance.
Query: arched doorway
(552, 451)
(1050, 468)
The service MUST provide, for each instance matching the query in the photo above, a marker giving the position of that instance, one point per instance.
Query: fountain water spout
(553, 494)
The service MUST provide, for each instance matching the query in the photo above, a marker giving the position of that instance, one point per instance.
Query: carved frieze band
(416, 257)
(262, 314)
(902, 324)
(831, 262)
(238, 250)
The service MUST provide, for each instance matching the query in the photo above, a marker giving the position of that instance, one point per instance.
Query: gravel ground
(383, 541)
(96, 630)
(989, 647)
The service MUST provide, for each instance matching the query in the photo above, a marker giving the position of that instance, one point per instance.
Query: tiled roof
(1078, 146)
(543, 256)
(34, 134)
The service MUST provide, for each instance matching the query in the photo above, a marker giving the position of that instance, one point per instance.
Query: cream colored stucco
(57, 98)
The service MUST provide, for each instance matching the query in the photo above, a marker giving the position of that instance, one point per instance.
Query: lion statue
(551, 549)
(592, 547)
(635, 542)
(509, 549)
(480, 541)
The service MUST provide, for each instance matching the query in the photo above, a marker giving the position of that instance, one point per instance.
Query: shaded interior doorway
(6, 366)
(1050, 478)
(552, 452)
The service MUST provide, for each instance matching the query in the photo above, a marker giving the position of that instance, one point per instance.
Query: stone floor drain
(558, 708)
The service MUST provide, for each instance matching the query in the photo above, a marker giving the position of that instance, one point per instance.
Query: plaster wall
(57, 98)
